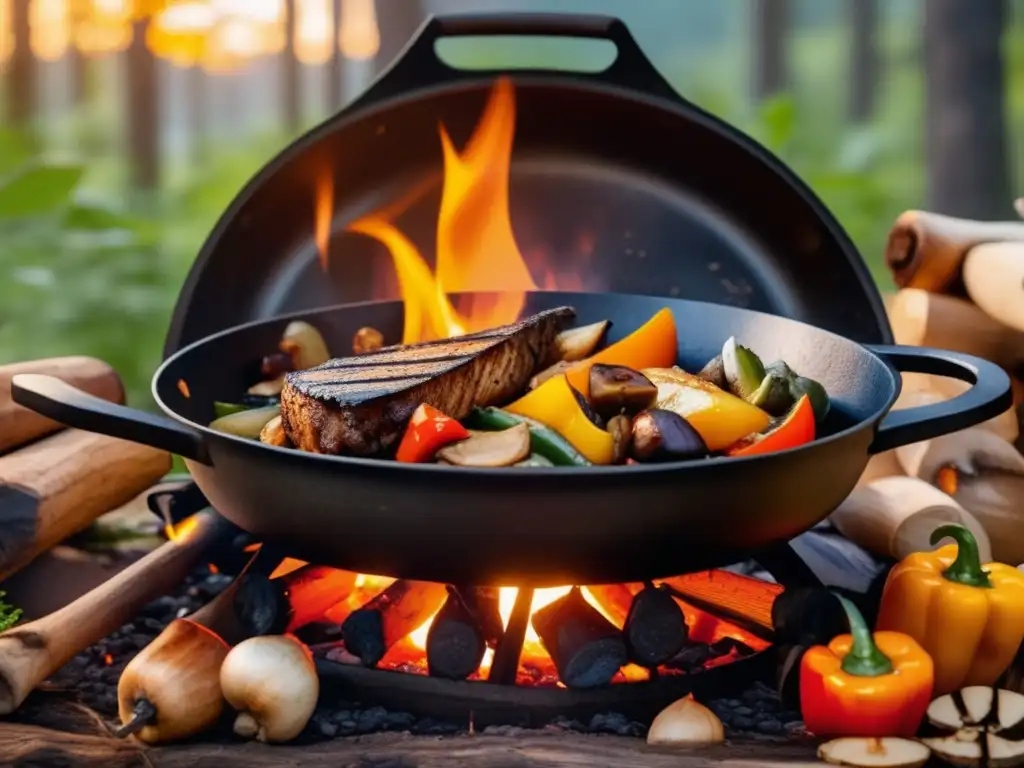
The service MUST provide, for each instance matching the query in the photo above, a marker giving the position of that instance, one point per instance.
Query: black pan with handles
(544, 526)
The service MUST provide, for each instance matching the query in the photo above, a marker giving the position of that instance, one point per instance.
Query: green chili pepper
(226, 409)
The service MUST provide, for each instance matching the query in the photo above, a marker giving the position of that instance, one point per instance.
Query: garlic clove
(272, 682)
(874, 752)
(685, 722)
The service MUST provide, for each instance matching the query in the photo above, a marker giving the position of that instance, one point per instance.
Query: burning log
(994, 278)
(59, 485)
(455, 642)
(485, 604)
(655, 628)
(744, 601)
(31, 652)
(895, 516)
(927, 250)
(586, 648)
(927, 319)
(274, 606)
(19, 425)
(370, 631)
(614, 599)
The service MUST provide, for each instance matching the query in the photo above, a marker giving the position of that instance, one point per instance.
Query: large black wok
(546, 526)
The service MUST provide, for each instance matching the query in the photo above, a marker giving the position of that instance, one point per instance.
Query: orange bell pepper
(652, 345)
(796, 429)
(864, 685)
(429, 431)
(554, 405)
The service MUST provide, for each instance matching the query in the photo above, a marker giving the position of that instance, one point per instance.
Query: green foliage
(9, 615)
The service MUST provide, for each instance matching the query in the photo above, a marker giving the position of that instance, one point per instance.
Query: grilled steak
(360, 405)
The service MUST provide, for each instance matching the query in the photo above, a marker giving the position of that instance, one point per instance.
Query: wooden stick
(32, 652)
(59, 485)
(895, 516)
(927, 250)
(19, 425)
(925, 319)
(371, 630)
(994, 278)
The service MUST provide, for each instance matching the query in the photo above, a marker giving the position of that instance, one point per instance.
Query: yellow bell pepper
(554, 405)
(968, 617)
(652, 345)
(721, 418)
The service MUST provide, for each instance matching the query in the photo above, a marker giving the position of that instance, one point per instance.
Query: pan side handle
(989, 397)
(58, 400)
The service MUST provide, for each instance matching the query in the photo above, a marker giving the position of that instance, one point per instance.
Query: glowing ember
(476, 249)
(174, 532)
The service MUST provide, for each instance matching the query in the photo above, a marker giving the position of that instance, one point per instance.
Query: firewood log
(924, 319)
(588, 650)
(290, 601)
(59, 485)
(927, 250)
(19, 425)
(371, 630)
(455, 642)
(655, 628)
(984, 475)
(880, 465)
(895, 516)
(994, 279)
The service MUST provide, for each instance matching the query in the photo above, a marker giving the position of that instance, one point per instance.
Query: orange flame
(323, 216)
(476, 248)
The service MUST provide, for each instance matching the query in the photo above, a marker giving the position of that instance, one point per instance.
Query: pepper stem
(864, 658)
(142, 715)
(966, 569)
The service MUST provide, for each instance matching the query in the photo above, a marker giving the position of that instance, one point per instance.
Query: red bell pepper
(428, 432)
(796, 429)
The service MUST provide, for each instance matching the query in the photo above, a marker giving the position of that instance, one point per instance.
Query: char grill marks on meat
(360, 405)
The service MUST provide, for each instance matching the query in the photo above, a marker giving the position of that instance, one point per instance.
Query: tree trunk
(21, 69)
(335, 75)
(397, 22)
(290, 80)
(770, 63)
(864, 61)
(142, 105)
(195, 105)
(965, 109)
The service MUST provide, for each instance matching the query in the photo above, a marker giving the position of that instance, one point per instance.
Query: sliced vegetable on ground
(874, 752)
(980, 726)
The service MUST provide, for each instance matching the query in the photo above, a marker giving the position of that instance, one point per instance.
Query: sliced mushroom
(977, 715)
(883, 752)
(945, 712)
(578, 343)
(246, 423)
(271, 388)
(489, 449)
(616, 389)
(977, 748)
(305, 345)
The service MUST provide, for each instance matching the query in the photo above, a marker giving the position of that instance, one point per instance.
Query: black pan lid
(618, 184)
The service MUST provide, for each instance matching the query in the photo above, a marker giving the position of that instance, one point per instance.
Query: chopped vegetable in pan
(565, 402)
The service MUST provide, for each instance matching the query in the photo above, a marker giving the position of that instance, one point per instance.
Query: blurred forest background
(128, 125)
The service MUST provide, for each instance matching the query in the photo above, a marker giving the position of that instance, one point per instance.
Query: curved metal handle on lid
(989, 396)
(418, 65)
